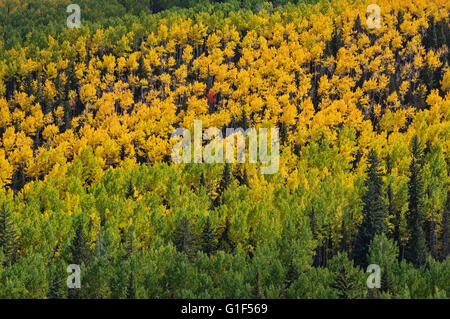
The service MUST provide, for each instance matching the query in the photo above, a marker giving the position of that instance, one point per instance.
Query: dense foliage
(86, 175)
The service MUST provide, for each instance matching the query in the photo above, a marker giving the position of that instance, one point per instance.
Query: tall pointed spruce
(80, 250)
(209, 242)
(184, 237)
(446, 229)
(416, 249)
(374, 221)
(8, 240)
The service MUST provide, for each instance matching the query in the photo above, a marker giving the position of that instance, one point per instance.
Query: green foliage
(208, 238)
(184, 237)
(416, 249)
(384, 253)
(8, 238)
(374, 220)
(80, 250)
(347, 280)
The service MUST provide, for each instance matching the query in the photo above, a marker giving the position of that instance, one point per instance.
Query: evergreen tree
(130, 242)
(416, 247)
(8, 239)
(81, 253)
(373, 210)
(142, 71)
(430, 39)
(283, 133)
(130, 191)
(251, 242)
(345, 277)
(244, 120)
(446, 229)
(208, 238)
(55, 289)
(392, 212)
(100, 245)
(389, 164)
(357, 27)
(225, 242)
(224, 183)
(202, 180)
(245, 180)
(131, 289)
(400, 19)
(184, 238)
(333, 46)
(343, 243)
(257, 292)
(122, 152)
(384, 252)
(226, 178)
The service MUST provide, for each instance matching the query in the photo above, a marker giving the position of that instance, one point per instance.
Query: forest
(86, 175)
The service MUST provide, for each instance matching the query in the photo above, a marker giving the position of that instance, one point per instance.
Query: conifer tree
(81, 253)
(100, 245)
(357, 27)
(283, 133)
(56, 285)
(226, 178)
(245, 180)
(8, 239)
(257, 292)
(416, 247)
(224, 183)
(131, 289)
(225, 243)
(130, 242)
(251, 242)
(208, 238)
(446, 229)
(373, 210)
(344, 239)
(244, 120)
(345, 277)
(184, 238)
(431, 40)
(400, 19)
(202, 180)
(130, 190)
(333, 46)
(392, 212)
(384, 252)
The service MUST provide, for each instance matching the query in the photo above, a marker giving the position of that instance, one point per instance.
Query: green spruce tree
(131, 288)
(130, 191)
(416, 249)
(345, 277)
(374, 221)
(208, 238)
(446, 229)
(225, 242)
(184, 237)
(8, 237)
(81, 253)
